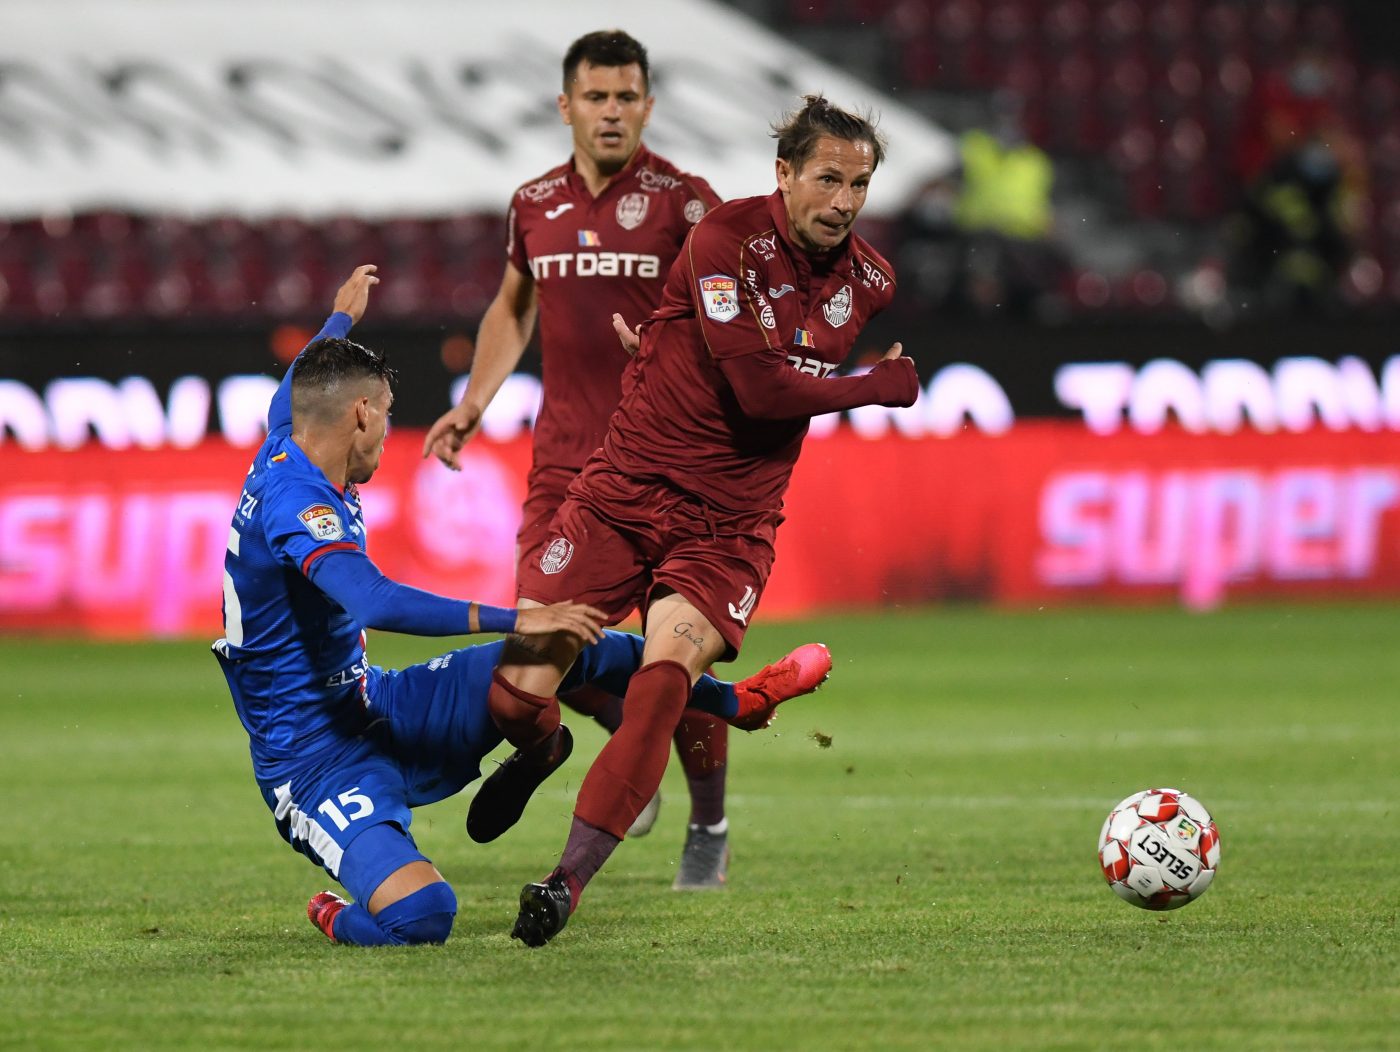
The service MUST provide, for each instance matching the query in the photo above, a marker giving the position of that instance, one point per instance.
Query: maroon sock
(596, 702)
(526, 720)
(584, 854)
(628, 770)
(702, 742)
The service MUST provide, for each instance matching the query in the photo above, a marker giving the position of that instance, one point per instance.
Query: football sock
(715, 696)
(702, 742)
(525, 720)
(628, 770)
(587, 849)
(605, 708)
(609, 665)
(424, 917)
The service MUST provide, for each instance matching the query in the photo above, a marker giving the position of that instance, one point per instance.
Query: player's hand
(899, 380)
(631, 339)
(353, 297)
(453, 430)
(583, 622)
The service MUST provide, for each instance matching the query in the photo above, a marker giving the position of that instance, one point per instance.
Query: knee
(426, 916)
(432, 929)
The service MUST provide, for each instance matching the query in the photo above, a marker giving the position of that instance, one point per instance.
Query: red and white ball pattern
(1159, 849)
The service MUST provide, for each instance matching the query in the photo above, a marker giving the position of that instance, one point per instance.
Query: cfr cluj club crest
(631, 211)
(838, 308)
(556, 556)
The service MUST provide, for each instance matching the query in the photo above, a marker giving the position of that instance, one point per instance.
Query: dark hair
(798, 134)
(326, 364)
(605, 47)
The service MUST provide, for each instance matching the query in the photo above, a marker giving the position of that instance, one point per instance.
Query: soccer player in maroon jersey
(593, 237)
(677, 512)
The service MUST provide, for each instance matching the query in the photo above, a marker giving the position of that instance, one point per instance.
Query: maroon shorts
(617, 540)
(544, 493)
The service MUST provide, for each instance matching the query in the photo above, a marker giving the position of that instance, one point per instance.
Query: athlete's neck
(328, 454)
(596, 179)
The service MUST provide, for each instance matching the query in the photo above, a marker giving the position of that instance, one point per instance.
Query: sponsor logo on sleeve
(631, 211)
(719, 293)
(838, 308)
(766, 316)
(322, 522)
(694, 209)
(556, 556)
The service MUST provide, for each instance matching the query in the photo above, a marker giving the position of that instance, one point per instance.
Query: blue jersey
(296, 659)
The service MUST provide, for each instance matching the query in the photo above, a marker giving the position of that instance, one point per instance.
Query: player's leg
(352, 820)
(523, 705)
(398, 896)
(680, 644)
(702, 743)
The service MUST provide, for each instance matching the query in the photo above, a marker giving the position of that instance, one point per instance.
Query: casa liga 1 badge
(719, 294)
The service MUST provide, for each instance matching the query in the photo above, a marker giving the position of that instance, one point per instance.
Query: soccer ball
(1159, 849)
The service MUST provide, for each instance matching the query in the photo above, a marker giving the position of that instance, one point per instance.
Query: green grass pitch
(913, 862)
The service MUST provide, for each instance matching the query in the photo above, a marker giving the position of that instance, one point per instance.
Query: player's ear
(362, 413)
(784, 173)
(564, 115)
(646, 115)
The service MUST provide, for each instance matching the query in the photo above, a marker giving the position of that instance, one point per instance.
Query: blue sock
(610, 662)
(424, 917)
(715, 696)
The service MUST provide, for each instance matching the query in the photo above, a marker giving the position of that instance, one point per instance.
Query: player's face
(826, 194)
(607, 107)
(368, 446)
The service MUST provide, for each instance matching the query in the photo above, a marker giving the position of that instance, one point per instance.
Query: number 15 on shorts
(362, 806)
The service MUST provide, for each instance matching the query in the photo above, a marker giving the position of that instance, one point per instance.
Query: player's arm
(500, 341)
(351, 300)
(350, 578)
(769, 388)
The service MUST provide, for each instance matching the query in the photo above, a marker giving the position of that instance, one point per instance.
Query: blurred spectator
(982, 238)
(1303, 175)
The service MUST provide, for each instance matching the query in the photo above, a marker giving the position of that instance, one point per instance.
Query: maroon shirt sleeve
(716, 259)
(769, 388)
(515, 244)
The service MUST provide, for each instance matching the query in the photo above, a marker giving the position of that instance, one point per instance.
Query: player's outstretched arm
(351, 299)
(768, 388)
(582, 622)
(500, 342)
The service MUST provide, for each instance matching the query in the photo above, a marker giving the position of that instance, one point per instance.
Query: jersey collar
(639, 157)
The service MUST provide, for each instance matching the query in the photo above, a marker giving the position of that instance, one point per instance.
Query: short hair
(326, 367)
(605, 47)
(797, 135)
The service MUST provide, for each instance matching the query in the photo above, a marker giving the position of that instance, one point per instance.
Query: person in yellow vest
(1006, 216)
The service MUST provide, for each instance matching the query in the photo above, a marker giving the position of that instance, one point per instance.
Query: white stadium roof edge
(438, 107)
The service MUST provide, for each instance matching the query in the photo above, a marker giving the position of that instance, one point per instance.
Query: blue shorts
(432, 728)
(431, 732)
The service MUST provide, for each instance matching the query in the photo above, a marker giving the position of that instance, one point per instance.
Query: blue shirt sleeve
(279, 413)
(303, 521)
(375, 601)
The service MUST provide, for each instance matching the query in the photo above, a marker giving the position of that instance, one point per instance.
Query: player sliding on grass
(341, 748)
(677, 512)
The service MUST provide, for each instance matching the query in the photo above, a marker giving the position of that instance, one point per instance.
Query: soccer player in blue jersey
(341, 748)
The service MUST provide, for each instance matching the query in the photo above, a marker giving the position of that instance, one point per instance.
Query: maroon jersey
(590, 258)
(739, 287)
